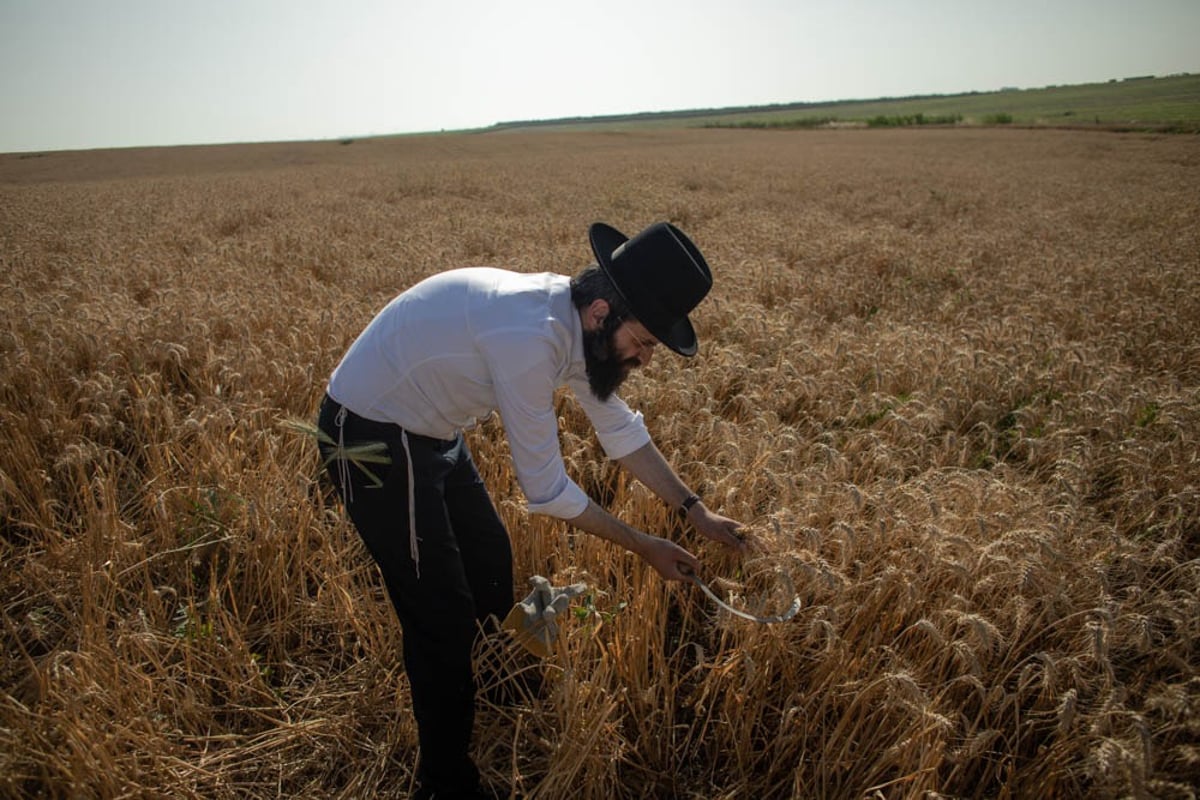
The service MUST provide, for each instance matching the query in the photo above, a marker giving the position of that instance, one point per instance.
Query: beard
(605, 370)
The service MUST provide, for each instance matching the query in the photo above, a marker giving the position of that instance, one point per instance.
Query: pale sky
(80, 74)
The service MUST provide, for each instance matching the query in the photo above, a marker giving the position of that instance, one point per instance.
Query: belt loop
(412, 506)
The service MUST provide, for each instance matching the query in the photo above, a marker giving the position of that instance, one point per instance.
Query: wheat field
(949, 380)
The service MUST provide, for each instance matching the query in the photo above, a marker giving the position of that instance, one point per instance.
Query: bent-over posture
(453, 349)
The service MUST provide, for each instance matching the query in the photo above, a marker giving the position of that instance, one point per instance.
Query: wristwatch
(688, 502)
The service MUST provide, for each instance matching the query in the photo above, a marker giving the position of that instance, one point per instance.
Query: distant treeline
(1142, 102)
(877, 121)
(646, 116)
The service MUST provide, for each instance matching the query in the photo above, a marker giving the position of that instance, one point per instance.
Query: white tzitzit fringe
(343, 462)
(343, 472)
(412, 506)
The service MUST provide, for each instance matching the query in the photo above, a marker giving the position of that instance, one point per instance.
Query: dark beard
(605, 371)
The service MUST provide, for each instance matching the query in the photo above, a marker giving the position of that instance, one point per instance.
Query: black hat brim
(679, 337)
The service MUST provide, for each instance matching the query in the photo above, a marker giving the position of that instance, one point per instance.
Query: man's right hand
(668, 558)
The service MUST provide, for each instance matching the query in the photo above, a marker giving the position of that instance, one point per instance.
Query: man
(456, 347)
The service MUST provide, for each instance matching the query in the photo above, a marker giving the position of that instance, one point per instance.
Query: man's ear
(594, 314)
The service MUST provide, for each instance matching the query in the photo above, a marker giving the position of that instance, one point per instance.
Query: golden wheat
(949, 379)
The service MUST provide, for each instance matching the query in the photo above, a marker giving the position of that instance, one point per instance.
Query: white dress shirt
(459, 345)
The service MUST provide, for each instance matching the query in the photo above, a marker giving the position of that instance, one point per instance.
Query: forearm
(652, 470)
(648, 466)
(598, 522)
(668, 558)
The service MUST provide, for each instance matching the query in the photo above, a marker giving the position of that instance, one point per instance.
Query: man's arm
(662, 554)
(648, 466)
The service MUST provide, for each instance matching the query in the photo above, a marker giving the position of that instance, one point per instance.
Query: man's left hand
(716, 527)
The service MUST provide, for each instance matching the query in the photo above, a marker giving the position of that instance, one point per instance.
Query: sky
(81, 74)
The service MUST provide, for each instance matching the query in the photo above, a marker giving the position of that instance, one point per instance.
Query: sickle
(784, 617)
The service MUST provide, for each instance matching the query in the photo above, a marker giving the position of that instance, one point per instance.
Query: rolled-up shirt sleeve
(619, 429)
(524, 380)
(525, 400)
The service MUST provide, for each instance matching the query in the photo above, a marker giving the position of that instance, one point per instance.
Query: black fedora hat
(660, 274)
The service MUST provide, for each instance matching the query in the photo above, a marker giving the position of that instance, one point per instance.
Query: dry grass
(951, 378)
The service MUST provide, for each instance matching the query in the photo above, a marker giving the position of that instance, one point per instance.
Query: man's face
(613, 351)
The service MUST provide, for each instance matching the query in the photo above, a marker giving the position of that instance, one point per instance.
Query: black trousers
(460, 583)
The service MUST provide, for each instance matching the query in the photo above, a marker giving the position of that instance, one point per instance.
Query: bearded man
(454, 348)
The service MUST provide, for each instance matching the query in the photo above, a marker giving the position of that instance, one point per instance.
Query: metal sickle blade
(784, 617)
